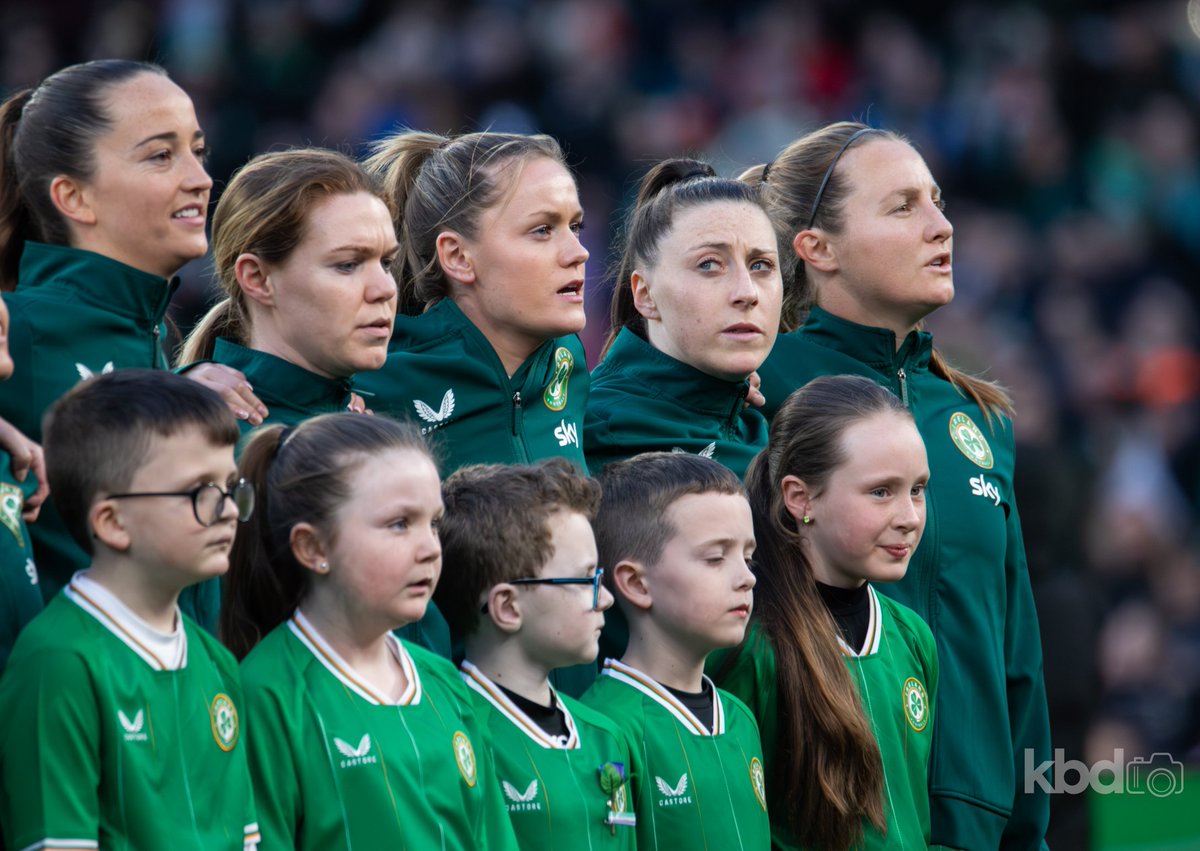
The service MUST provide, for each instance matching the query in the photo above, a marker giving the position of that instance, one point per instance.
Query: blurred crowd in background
(1065, 138)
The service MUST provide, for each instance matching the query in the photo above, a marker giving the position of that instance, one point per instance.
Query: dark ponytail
(667, 189)
(45, 132)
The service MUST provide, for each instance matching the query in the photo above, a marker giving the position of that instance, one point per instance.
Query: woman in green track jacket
(695, 311)
(485, 357)
(866, 221)
(303, 245)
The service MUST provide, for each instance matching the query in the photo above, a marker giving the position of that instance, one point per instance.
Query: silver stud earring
(323, 567)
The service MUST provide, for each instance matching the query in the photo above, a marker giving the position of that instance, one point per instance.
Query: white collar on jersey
(870, 645)
(162, 651)
(478, 680)
(304, 630)
(652, 688)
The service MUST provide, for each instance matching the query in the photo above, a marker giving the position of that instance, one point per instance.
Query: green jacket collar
(98, 280)
(875, 347)
(538, 366)
(276, 380)
(663, 375)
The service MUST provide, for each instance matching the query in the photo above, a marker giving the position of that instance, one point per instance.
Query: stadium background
(1065, 137)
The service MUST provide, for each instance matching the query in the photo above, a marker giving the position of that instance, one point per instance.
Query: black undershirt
(550, 718)
(851, 610)
(699, 703)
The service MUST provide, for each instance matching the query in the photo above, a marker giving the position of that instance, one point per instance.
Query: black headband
(832, 165)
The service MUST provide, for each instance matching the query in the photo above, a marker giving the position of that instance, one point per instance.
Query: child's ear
(797, 498)
(454, 255)
(629, 577)
(309, 548)
(104, 519)
(504, 608)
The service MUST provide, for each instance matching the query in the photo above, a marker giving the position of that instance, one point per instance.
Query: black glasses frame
(241, 494)
(593, 580)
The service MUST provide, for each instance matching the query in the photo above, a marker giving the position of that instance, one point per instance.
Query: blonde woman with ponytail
(866, 221)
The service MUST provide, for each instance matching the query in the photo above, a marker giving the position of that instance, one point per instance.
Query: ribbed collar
(96, 279)
(875, 347)
(663, 375)
(276, 380)
(539, 365)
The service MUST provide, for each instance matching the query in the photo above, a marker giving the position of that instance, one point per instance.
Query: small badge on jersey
(612, 783)
(223, 715)
(555, 396)
(11, 501)
(916, 704)
(970, 440)
(464, 755)
(758, 782)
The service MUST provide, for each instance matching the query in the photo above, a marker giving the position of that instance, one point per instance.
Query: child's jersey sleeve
(50, 753)
(273, 769)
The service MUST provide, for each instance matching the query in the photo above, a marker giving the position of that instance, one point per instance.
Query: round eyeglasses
(208, 500)
(593, 580)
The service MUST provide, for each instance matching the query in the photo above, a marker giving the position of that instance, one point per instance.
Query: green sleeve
(273, 770)
(1028, 715)
(50, 748)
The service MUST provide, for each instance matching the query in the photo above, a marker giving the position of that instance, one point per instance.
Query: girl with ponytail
(873, 250)
(360, 740)
(695, 309)
(103, 197)
(841, 679)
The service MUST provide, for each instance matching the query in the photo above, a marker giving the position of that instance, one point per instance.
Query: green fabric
(443, 374)
(98, 746)
(691, 789)
(553, 793)
(335, 769)
(904, 652)
(74, 314)
(20, 597)
(643, 400)
(968, 580)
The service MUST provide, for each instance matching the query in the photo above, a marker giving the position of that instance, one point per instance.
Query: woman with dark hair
(695, 310)
(103, 197)
(866, 221)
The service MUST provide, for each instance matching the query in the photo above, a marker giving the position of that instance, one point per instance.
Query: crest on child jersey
(11, 502)
(916, 704)
(223, 715)
(758, 782)
(464, 755)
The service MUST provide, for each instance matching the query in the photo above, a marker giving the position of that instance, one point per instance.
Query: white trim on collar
(308, 635)
(161, 651)
(479, 681)
(870, 645)
(652, 688)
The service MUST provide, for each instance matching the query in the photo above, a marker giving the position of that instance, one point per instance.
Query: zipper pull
(903, 386)
(516, 400)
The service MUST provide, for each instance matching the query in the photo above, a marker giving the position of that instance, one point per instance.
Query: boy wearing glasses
(676, 533)
(121, 717)
(522, 584)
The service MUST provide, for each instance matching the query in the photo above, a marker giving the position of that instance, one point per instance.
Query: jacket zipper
(903, 386)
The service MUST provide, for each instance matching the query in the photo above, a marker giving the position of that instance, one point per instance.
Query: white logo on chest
(521, 801)
(133, 727)
(980, 486)
(567, 433)
(673, 795)
(360, 755)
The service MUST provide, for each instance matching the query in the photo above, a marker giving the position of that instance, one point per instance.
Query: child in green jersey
(675, 533)
(525, 591)
(842, 680)
(122, 718)
(357, 739)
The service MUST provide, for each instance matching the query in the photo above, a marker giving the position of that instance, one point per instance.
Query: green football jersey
(557, 790)
(896, 672)
(109, 743)
(20, 596)
(338, 765)
(692, 788)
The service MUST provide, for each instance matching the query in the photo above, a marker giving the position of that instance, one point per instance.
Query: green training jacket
(968, 579)
(75, 314)
(443, 374)
(20, 596)
(643, 400)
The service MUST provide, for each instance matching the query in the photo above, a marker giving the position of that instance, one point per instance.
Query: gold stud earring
(806, 520)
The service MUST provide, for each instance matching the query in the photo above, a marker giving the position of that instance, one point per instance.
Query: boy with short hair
(521, 583)
(121, 717)
(676, 534)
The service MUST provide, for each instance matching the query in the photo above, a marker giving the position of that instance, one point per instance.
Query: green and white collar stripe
(655, 690)
(307, 634)
(479, 681)
(161, 651)
(870, 644)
